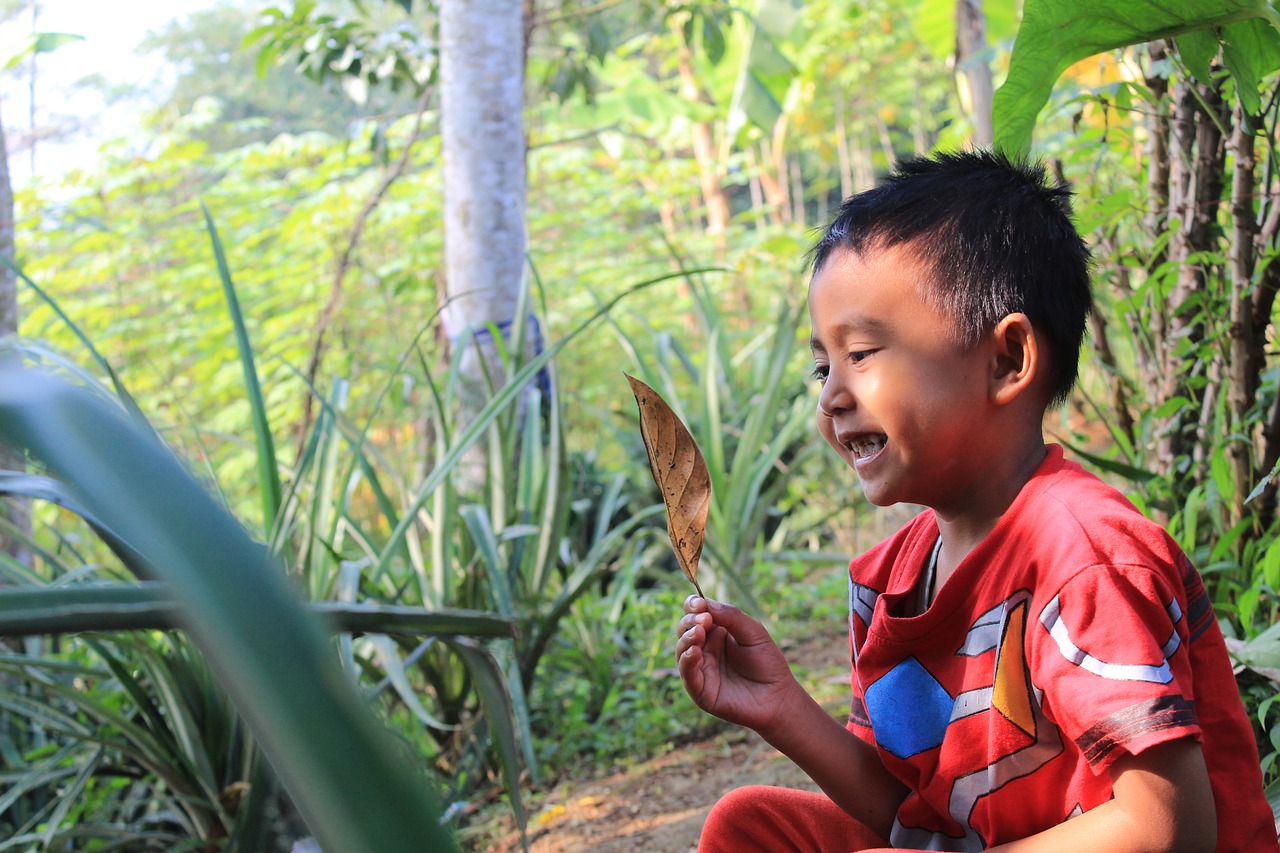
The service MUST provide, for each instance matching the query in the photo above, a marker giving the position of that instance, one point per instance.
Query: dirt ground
(659, 805)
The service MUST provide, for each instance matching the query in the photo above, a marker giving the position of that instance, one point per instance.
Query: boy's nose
(834, 398)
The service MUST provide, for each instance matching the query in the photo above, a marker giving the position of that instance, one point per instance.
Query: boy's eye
(820, 372)
(861, 355)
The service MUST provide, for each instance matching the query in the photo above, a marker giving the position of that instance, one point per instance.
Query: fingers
(696, 604)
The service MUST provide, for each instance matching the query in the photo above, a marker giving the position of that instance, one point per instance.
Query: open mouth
(866, 445)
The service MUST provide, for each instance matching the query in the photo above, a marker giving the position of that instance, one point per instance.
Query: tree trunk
(1247, 353)
(973, 72)
(1195, 193)
(842, 152)
(482, 133)
(1148, 356)
(714, 197)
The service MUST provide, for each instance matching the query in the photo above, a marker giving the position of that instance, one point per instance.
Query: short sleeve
(1109, 651)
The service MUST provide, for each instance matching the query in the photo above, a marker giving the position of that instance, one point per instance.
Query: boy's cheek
(827, 429)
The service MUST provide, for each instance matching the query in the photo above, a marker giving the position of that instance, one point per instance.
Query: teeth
(866, 445)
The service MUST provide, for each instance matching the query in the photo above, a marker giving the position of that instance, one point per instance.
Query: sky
(112, 31)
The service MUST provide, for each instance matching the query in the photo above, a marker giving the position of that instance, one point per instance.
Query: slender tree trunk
(760, 211)
(1147, 336)
(919, 134)
(842, 152)
(864, 159)
(797, 192)
(886, 141)
(714, 196)
(482, 133)
(1247, 353)
(973, 72)
(1196, 180)
(773, 181)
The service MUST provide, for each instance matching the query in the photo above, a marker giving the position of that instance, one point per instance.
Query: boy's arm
(1162, 803)
(844, 766)
(732, 668)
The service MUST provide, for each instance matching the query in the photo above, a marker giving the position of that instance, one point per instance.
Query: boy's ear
(1017, 358)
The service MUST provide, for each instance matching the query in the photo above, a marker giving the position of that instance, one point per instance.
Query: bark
(759, 209)
(482, 134)
(797, 192)
(973, 73)
(1263, 300)
(1196, 180)
(864, 162)
(1247, 352)
(773, 182)
(842, 152)
(886, 141)
(714, 196)
(1117, 385)
(1148, 354)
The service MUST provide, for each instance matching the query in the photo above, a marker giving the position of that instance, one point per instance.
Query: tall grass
(410, 569)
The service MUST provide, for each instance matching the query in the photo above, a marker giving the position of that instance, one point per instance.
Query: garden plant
(270, 574)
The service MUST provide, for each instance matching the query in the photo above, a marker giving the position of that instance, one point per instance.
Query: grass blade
(268, 473)
(267, 651)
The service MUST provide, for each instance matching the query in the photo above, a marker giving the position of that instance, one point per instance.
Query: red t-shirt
(1077, 631)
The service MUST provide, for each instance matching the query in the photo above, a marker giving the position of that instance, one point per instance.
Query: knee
(746, 819)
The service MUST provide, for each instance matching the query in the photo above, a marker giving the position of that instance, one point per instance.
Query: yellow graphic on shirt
(1011, 693)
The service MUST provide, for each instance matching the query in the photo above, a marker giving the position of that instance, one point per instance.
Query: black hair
(996, 238)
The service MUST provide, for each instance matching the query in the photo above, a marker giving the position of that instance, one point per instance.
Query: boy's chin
(876, 497)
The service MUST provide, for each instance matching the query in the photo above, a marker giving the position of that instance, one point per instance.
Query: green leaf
(1250, 51)
(78, 608)
(1055, 34)
(1129, 472)
(268, 473)
(935, 25)
(712, 39)
(267, 652)
(765, 72)
(40, 43)
(1198, 50)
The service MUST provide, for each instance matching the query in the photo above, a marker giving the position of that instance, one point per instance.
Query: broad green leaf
(1250, 51)
(1197, 50)
(77, 608)
(270, 655)
(40, 43)
(765, 72)
(1056, 34)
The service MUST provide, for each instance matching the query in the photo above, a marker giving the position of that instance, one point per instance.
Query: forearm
(1161, 803)
(845, 767)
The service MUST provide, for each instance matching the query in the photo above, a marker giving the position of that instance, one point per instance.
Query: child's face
(901, 402)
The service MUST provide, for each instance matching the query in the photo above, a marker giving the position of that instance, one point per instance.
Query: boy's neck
(963, 530)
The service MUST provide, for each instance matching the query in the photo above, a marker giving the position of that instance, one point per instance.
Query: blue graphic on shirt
(909, 709)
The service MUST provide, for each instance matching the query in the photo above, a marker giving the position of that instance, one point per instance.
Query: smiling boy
(1036, 666)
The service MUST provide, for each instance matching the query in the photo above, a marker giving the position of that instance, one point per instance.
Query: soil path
(659, 805)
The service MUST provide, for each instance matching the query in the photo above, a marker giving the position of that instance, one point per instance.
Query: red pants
(763, 819)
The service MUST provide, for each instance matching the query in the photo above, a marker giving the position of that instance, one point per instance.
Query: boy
(1036, 667)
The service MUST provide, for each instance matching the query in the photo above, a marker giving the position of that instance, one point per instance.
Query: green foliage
(360, 52)
(1057, 33)
(267, 652)
(751, 418)
(253, 101)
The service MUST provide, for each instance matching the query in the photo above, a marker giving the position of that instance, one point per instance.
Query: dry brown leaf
(680, 473)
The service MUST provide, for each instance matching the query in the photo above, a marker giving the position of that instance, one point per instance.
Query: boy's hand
(731, 667)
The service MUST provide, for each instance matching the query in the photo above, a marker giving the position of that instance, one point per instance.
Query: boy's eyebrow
(859, 325)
